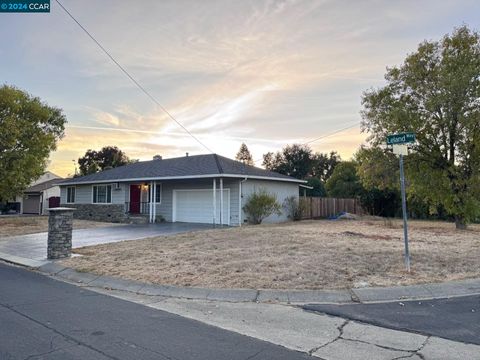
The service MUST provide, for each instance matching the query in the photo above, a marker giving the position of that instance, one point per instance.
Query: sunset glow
(267, 73)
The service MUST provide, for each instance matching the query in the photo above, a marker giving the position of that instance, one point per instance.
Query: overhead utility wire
(323, 136)
(131, 77)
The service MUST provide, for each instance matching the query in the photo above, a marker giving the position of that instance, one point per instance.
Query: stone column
(60, 223)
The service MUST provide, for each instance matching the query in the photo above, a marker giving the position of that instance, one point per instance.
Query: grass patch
(313, 254)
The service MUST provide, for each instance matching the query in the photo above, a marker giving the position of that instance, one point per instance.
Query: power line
(332, 133)
(131, 77)
(324, 136)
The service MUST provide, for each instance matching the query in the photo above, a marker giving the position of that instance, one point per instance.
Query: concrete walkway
(34, 246)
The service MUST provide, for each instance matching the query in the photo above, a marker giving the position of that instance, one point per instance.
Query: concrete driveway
(34, 246)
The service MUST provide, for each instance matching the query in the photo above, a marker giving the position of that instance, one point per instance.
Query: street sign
(403, 138)
(399, 144)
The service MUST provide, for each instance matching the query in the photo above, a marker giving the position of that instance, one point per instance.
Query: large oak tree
(107, 158)
(436, 94)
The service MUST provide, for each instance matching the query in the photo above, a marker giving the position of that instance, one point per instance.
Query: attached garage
(196, 206)
(31, 204)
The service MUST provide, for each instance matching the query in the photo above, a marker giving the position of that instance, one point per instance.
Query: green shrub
(294, 207)
(260, 205)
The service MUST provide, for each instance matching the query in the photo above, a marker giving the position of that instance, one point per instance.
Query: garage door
(31, 204)
(196, 206)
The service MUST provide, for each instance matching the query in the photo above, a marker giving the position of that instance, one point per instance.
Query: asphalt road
(454, 318)
(41, 318)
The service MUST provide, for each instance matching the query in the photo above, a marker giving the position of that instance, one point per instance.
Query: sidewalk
(362, 295)
(321, 336)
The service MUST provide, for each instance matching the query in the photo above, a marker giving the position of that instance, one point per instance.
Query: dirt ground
(22, 225)
(315, 254)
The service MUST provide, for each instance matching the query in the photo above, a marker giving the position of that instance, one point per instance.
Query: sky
(267, 73)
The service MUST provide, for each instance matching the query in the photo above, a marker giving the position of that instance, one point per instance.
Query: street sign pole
(404, 210)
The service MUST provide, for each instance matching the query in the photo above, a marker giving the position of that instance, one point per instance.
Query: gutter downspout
(240, 201)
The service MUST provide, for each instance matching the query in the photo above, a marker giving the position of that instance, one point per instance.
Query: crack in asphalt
(254, 355)
(339, 336)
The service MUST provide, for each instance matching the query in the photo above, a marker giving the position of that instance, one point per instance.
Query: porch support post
(150, 207)
(154, 198)
(221, 201)
(214, 201)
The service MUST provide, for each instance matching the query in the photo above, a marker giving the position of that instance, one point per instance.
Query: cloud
(261, 71)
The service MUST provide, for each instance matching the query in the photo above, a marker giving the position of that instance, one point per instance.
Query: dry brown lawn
(317, 254)
(22, 225)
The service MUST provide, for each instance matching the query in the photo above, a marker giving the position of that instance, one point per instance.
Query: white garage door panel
(197, 206)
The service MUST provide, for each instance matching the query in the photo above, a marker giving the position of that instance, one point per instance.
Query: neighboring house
(37, 198)
(202, 189)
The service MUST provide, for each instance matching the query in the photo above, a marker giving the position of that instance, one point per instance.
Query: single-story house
(38, 197)
(201, 189)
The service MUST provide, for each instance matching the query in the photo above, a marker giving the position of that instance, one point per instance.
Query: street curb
(17, 260)
(361, 295)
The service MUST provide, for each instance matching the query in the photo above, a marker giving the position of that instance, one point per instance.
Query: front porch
(138, 200)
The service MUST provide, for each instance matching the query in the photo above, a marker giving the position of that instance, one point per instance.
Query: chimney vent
(186, 154)
(157, 157)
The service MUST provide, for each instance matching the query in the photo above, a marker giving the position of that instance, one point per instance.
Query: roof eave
(207, 176)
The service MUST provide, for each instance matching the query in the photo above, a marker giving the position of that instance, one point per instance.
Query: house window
(70, 194)
(102, 194)
(158, 194)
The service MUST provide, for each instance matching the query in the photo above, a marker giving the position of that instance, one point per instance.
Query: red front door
(135, 192)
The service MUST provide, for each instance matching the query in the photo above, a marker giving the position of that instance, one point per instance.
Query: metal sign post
(399, 143)
(404, 211)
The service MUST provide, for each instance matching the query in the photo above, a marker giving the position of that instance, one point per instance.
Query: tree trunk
(460, 223)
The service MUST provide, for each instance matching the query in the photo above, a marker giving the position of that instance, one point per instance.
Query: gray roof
(43, 185)
(211, 165)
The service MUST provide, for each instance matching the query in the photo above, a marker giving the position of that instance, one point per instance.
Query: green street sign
(403, 138)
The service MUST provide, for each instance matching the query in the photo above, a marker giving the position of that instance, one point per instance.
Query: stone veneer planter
(114, 213)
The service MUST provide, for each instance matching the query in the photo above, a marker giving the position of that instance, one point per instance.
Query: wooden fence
(318, 207)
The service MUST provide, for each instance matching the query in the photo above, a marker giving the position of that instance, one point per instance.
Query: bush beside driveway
(318, 254)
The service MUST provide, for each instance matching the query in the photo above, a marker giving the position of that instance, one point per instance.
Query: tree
(29, 131)
(244, 155)
(435, 93)
(318, 187)
(344, 182)
(300, 161)
(324, 164)
(107, 158)
(294, 160)
(377, 168)
(88, 164)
